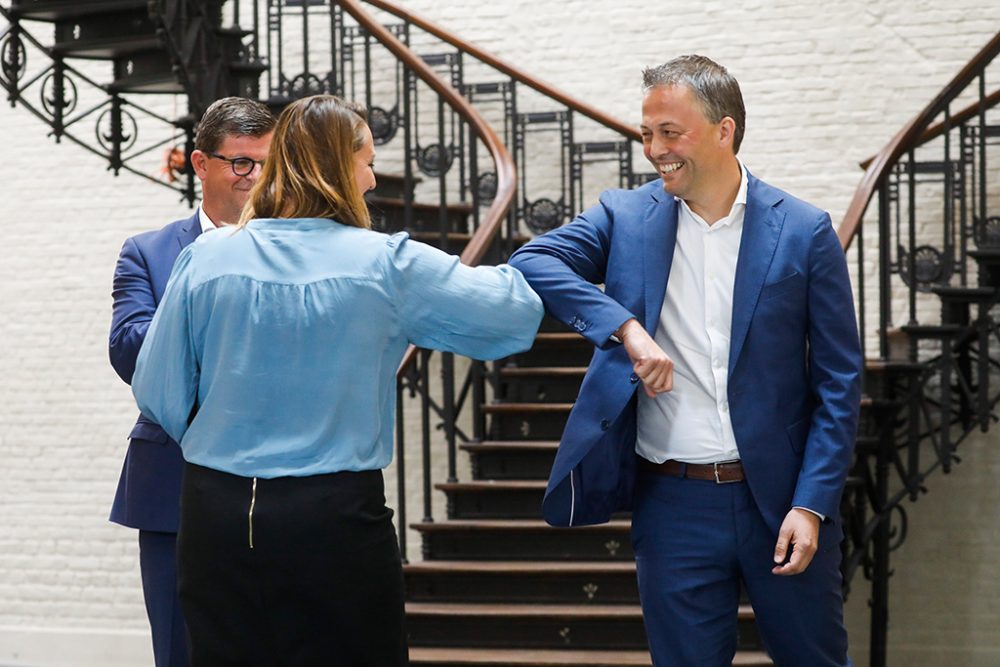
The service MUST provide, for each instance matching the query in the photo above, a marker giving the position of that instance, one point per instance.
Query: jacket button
(605, 424)
(633, 378)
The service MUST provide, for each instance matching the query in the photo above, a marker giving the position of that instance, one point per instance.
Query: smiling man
(729, 302)
(232, 142)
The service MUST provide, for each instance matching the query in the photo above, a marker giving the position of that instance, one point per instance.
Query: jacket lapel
(659, 231)
(762, 224)
(189, 231)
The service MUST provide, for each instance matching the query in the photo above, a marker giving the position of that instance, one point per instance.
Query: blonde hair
(309, 172)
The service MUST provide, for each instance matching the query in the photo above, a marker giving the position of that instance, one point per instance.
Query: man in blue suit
(729, 301)
(232, 142)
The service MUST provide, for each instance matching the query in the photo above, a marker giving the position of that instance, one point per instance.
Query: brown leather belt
(726, 472)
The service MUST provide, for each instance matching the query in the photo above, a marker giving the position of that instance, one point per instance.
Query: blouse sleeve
(483, 312)
(165, 384)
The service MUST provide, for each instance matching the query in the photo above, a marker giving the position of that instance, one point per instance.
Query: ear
(199, 161)
(727, 132)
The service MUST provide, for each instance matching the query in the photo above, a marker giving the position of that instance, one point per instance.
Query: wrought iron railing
(932, 242)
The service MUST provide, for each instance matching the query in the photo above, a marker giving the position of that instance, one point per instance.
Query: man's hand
(800, 532)
(650, 363)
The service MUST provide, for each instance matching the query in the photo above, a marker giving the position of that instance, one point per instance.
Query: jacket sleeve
(565, 266)
(835, 361)
(132, 309)
(483, 312)
(167, 371)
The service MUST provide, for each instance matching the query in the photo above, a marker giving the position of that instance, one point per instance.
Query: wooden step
(492, 499)
(511, 459)
(55, 10)
(556, 348)
(543, 371)
(524, 539)
(389, 215)
(593, 626)
(492, 657)
(534, 421)
(553, 384)
(569, 582)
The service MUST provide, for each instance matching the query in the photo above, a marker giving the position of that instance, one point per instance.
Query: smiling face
(223, 192)
(364, 162)
(687, 150)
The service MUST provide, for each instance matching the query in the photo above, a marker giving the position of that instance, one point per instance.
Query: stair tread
(466, 609)
(542, 370)
(492, 485)
(109, 47)
(560, 337)
(501, 445)
(557, 657)
(613, 526)
(959, 292)
(458, 236)
(53, 10)
(521, 567)
(527, 407)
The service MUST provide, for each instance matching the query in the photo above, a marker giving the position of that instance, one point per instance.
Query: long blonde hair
(309, 172)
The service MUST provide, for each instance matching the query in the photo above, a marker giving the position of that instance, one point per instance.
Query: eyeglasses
(242, 166)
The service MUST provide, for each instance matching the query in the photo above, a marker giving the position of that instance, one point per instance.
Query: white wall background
(826, 85)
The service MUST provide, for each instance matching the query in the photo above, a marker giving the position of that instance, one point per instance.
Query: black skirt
(296, 571)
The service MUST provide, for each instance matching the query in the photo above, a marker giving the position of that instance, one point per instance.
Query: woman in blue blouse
(271, 360)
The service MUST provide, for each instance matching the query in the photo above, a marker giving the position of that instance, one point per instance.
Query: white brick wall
(826, 85)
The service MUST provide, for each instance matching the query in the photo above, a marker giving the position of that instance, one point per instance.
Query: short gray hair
(232, 116)
(713, 85)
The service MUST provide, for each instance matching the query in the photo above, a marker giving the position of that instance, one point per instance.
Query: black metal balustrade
(932, 376)
(927, 258)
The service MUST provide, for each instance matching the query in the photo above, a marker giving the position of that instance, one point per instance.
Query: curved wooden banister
(506, 181)
(911, 136)
(936, 130)
(508, 69)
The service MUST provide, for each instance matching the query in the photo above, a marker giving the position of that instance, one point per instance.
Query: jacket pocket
(798, 433)
(146, 430)
(780, 286)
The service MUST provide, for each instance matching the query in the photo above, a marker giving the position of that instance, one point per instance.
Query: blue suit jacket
(149, 487)
(794, 363)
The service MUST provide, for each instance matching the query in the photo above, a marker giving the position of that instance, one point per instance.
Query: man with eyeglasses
(231, 145)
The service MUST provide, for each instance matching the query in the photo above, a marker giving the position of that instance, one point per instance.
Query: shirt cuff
(821, 517)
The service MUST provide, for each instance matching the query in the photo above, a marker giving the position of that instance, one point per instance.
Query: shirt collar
(740, 201)
(206, 222)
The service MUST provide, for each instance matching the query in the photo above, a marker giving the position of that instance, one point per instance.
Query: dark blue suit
(148, 493)
(794, 390)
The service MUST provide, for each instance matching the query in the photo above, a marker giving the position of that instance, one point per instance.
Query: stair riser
(512, 465)
(527, 545)
(618, 588)
(152, 63)
(391, 218)
(540, 389)
(543, 632)
(508, 504)
(527, 426)
(576, 353)
(125, 25)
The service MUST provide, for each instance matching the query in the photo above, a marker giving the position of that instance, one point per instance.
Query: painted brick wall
(826, 85)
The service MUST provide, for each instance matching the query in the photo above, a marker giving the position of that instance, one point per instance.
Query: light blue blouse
(286, 336)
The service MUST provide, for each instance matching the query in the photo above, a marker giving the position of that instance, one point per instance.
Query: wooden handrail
(508, 69)
(909, 138)
(506, 180)
(936, 130)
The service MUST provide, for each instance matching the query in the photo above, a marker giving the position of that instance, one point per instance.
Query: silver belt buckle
(715, 468)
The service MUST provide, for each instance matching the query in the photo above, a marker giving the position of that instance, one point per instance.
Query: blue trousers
(158, 564)
(694, 542)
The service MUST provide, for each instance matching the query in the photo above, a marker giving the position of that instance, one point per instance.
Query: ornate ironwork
(543, 215)
(486, 188)
(383, 124)
(930, 267)
(435, 159)
(987, 231)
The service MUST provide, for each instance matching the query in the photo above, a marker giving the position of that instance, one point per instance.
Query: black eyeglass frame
(239, 158)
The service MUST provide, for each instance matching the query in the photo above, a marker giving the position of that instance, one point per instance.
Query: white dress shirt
(206, 222)
(691, 423)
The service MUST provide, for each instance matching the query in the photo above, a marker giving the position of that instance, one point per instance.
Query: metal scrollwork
(929, 266)
(987, 232)
(383, 124)
(13, 58)
(486, 188)
(900, 528)
(52, 98)
(543, 215)
(105, 130)
(435, 159)
(305, 85)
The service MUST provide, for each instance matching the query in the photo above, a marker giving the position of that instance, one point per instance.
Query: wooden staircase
(500, 587)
